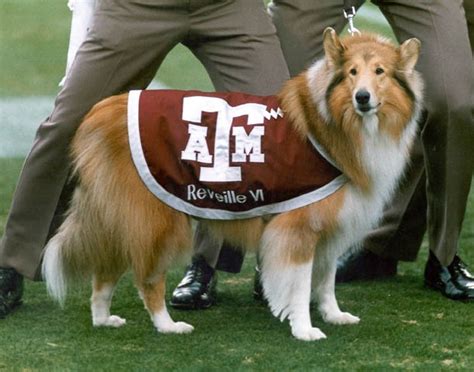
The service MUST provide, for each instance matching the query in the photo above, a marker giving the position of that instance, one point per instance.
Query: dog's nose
(362, 97)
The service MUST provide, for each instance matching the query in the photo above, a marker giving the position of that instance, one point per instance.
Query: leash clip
(349, 14)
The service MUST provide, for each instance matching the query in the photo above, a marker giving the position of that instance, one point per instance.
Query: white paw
(341, 318)
(308, 334)
(175, 327)
(111, 321)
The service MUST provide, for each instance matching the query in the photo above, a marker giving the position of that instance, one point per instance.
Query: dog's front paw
(175, 327)
(308, 334)
(111, 321)
(341, 318)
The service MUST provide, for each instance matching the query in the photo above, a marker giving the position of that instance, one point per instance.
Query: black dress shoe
(11, 290)
(365, 265)
(453, 281)
(197, 289)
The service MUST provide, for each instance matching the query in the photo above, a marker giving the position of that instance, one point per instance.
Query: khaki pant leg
(237, 44)
(239, 48)
(119, 54)
(448, 133)
(469, 12)
(406, 238)
(300, 25)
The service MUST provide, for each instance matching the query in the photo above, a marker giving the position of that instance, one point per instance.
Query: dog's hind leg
(286, 251)
(153, 295)
(103, 290)
(324, 275)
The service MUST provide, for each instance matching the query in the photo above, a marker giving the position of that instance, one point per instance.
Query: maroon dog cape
(225, 155)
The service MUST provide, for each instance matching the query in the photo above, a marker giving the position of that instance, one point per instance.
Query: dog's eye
(379, 70)
(353, 71)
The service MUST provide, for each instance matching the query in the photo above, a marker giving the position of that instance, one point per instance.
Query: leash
(349, 12)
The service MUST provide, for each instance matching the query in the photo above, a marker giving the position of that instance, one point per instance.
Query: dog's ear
(333, 47)
(409, 53)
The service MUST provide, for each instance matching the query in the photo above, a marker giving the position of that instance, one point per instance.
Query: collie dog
(361, 103)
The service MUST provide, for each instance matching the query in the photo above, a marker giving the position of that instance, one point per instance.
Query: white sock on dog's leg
(164, 324)
(288, 291)
(324, 292)
(299, 315)
(100, 306)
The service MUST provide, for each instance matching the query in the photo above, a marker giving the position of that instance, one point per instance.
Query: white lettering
(192, 192)
(250, 144)
(210, 193)
(226, 197)
(257, 195)
(241, 198)
(201, 193)
(221, 171)
(196, 148)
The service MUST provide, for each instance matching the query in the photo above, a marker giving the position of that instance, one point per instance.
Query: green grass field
(403, 326)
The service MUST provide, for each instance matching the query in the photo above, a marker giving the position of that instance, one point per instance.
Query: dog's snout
(362, 97)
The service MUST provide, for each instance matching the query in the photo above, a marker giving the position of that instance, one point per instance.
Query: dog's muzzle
(363, 102)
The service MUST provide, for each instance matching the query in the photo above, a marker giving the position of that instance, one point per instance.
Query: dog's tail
(90, 241)
(53, 269)
(67, 258)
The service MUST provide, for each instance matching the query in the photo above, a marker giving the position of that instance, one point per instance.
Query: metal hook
(349, 15)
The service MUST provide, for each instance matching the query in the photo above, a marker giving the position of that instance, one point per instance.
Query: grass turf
(403, 326)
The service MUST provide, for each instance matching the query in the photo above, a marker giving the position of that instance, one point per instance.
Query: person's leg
(120, 53)
(448, 133)
(469, 12)
(197, 288)
(240, 51)
(237, 44)
(239, 48)
(300, 25)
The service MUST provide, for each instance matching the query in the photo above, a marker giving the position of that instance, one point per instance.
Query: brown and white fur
(361, 102)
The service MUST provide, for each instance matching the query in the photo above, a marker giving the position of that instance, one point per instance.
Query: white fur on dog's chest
(385, 160)
(384, 156)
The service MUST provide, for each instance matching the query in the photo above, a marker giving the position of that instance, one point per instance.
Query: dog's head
(371, 73)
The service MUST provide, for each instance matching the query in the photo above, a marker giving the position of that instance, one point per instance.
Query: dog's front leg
(299, 305)
(324, 275)
(286, 280)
